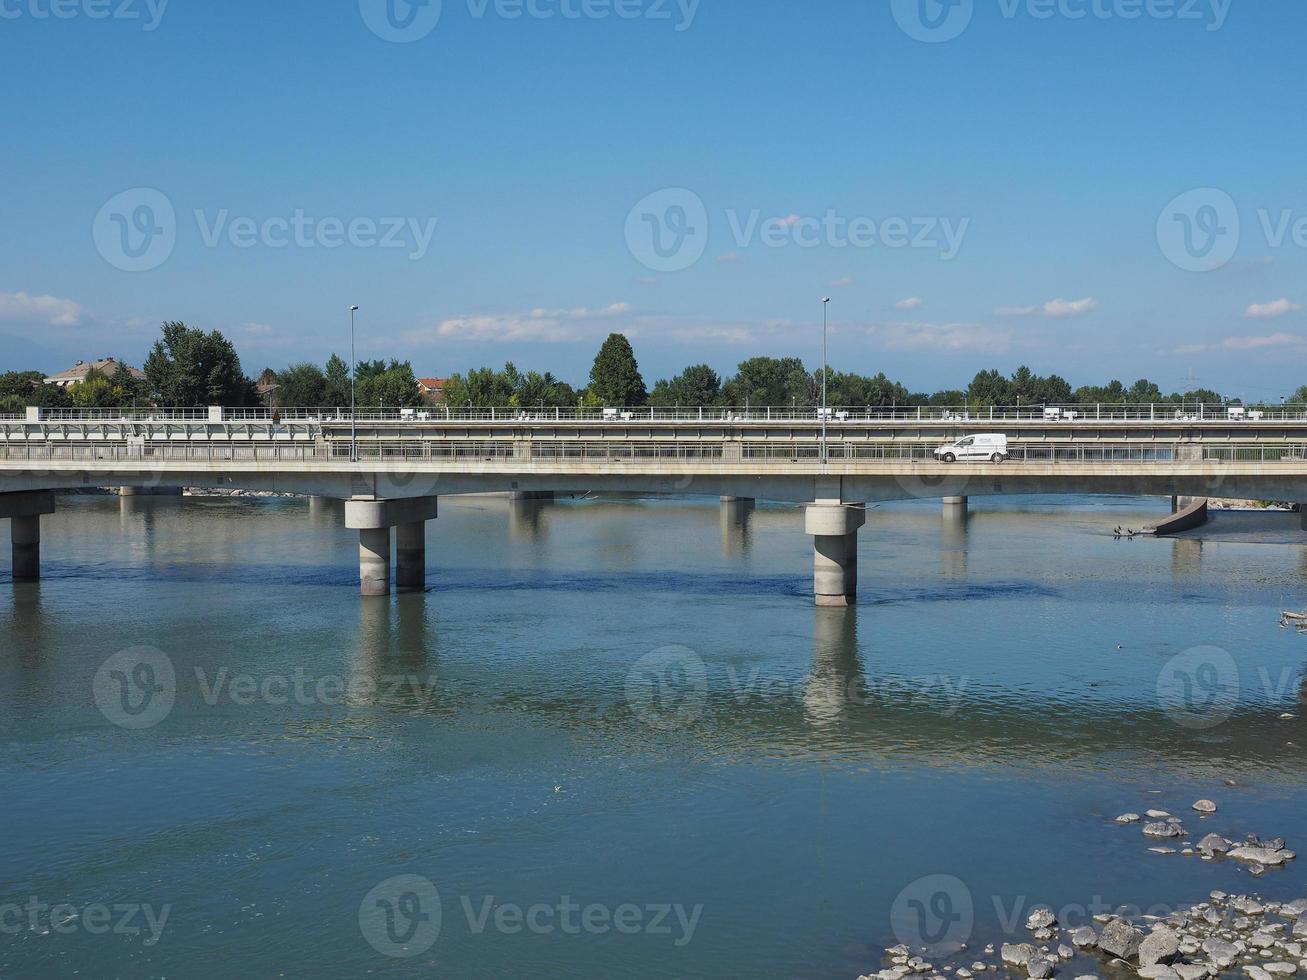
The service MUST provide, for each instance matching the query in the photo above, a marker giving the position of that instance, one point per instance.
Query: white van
(990, 447)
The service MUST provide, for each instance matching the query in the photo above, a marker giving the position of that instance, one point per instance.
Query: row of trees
(615, 380)
(188, 367)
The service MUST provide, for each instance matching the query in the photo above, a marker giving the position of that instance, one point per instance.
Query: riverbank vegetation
(188, 367)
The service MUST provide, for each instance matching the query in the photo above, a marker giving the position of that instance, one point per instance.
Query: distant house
(431, 389)
(108, 367)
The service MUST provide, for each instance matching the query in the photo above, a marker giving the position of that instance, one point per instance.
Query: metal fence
(1166, 413)
(544, 451)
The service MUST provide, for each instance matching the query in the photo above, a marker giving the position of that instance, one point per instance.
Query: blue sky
(1095, 187)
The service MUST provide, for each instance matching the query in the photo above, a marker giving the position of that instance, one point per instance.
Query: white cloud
(539, 324)
(939, 336)
(1260, 311)
(1057, 308)
(22, 308)
(1246, 343)
(911, 303)
(840, 283)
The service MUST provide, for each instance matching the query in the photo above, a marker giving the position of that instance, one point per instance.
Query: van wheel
(950, 458)
(996, 458)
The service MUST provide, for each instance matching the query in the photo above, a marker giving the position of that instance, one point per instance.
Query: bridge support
(373, 519)
(411, 557)
(834, 528)
(24, 511)
(531, 495)
(955, 507)
(1302, 515)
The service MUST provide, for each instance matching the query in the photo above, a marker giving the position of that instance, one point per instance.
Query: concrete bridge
(390, 468)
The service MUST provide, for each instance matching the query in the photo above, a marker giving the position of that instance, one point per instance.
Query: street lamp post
(825, 369)
(353, 428)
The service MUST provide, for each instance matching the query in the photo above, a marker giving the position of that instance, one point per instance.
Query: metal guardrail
(1168, 413)
(620, 451)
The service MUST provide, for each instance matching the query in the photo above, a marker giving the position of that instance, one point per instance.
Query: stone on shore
(1158, 971)
(1161, 945)
(1120, 939)
(1222, 953)
(1280, 969)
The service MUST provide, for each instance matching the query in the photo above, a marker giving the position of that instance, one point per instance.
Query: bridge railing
(538, 451)
(1165, 413)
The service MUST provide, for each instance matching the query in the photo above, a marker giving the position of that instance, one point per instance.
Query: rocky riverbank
(1228, 935)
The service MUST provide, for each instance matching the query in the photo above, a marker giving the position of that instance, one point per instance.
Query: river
(615, 739)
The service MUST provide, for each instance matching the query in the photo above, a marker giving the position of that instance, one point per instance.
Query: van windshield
(969, 440)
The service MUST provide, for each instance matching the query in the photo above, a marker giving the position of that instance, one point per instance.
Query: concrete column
(411, 557)
(374, 561)
(1302, 515)
(834, 528)
(531, 495)
(26, 534)
(956, 506)
(24, 512)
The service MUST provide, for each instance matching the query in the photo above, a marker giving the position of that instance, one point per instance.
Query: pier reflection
(736, 520)
(527, 519)
(953, 542)
(836, 673)
(1186, 559)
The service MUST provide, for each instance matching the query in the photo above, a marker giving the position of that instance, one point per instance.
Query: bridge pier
(834, 528)
(531, 495)
(373, 519)
(411, 557)
(24, 511)
(956, 507)
(1302, 515)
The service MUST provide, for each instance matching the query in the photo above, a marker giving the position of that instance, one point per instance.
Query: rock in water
(1162, 829)
(1041, 919)
(1214, 844)
(1019, 954)
(1083, 936)
(1223, 954)
(1039, 968)
(1158, 971)
(1161, 945)
(1259, 855)
(1205, 806)
(1128, 818)
(1120, 939)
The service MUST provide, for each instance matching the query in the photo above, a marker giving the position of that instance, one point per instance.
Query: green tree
(49, 396)
(771, 381)
(390, 385)
(95, 390)
(990, 388)
(188, 367)
(335, 392)
(694, 387)
(1299, 397)
(615, 378)
(301, 385)
(19, 384)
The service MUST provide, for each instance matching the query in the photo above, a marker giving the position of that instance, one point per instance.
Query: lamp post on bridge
(825, 369)
(353, 429)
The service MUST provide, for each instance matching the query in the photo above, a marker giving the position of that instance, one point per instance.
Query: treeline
(188, 367)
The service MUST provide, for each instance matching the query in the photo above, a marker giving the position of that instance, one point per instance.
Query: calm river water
(617, 740)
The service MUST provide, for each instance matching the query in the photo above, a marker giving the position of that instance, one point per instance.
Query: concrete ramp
(1195, 515)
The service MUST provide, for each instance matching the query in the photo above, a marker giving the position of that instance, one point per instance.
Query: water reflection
(1186, 559)
(527, 520)
(836, 671)
(953, 542)
(736, 518)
